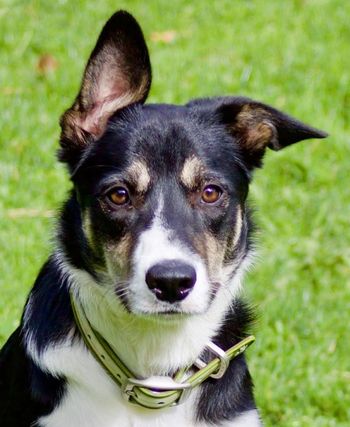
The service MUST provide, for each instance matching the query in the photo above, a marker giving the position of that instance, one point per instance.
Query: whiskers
(122, 290)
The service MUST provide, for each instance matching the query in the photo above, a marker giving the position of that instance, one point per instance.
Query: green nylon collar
(159, 391)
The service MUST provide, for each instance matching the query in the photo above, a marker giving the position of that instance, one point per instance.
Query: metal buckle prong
(224, 360)
(127, 391)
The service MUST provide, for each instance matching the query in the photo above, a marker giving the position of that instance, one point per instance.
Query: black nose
(171, 280)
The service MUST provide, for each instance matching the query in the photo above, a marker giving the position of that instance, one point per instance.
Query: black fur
(49, 316)
(26, 392)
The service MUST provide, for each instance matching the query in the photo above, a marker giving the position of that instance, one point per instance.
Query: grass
(293, 55)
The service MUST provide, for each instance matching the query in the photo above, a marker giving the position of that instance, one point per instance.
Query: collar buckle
(156, 392)
(218, 352)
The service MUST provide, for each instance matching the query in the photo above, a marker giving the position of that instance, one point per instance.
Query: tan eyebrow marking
(191, 171)
(139, 175)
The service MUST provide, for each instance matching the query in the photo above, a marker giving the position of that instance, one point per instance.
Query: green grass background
(294, 55)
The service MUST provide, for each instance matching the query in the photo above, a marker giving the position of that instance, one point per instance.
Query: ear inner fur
(117, 74)
(255, 129)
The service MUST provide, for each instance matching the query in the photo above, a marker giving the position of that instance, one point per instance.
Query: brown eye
(211, 194)
(119, 196)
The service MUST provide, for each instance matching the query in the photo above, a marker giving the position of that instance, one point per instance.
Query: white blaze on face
(155, 245)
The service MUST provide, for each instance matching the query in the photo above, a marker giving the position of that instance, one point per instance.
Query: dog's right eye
(118, 196)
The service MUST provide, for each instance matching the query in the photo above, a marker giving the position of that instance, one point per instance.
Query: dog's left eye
(119, 196)
(211, 194)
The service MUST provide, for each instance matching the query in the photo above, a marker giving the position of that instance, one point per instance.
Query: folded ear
(256, 126)
(117, 74)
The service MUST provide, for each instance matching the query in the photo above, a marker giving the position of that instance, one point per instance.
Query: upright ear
(117, 74)
(256, 126)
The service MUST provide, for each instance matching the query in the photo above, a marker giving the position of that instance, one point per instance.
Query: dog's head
(162, 188)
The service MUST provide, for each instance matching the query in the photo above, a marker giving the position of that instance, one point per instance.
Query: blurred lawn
(291, 54)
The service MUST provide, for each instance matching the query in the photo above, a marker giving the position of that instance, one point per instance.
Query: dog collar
(158, 391)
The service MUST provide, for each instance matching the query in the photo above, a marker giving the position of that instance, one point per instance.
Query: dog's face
(162, 195)
(162, 188)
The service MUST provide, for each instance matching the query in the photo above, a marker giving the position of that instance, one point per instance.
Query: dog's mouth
(166, 316)
(165, 310)
(145, 304)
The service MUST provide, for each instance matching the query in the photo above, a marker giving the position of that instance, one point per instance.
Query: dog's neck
(148, 345)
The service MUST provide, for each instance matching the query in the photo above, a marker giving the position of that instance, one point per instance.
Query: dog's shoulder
(23, 384)
(47, 315)
(12, 365)
(17, 407)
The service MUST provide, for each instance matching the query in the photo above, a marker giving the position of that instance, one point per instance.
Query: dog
(140, 296)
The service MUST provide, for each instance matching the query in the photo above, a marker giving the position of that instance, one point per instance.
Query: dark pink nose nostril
(171, 280)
